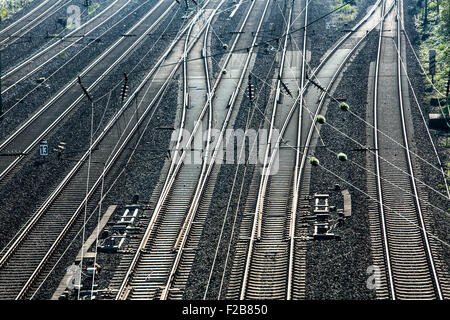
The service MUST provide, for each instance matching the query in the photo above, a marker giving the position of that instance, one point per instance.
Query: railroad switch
(321, 218)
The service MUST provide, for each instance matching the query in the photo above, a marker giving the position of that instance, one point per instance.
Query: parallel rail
(62, 209)
(21, 72)
(187, 233)
(291, 274)
(26, 137)
(410, 266)
(29, 21)
(269, 227)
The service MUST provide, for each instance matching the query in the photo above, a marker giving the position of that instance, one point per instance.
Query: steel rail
(50, 103)
(15, 69)
(113, 158)
(377, 164)
(256, 228)
(74, 170)
(314, 73)
(204, 177)
(175, 168)
(23, 17)
(297, 166)
(301, 93)
(299, 170)
(322, 98)
(173, 171)
(208, 141)
(120, 293)
(407, 151)
(165, 293)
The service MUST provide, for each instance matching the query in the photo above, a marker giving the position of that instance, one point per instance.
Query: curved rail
(204, 178)
(121, 144)
(181, 241)
(30, 141)
(299, 170)
(13, 71)
(173, 172)
(395, 229)
(149, 230)
(29, 25)
(296, 189)
(377, 161)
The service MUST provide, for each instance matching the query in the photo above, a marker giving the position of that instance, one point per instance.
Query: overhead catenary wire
(21, 99)
(425, 125)
(228, 205)
(367, 123)
(333, 98)
(379, 131)
(361, 145)
(244, 49)
(254, 107)
(121, 172)
(87, 188)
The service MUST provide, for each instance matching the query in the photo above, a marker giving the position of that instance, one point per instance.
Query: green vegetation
(9, 7)
(93, 7)
(435, 34)
(347, 13)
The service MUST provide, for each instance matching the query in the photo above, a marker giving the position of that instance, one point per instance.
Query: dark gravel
(75, 132)
(41, 36)
(336, 269)
(439, 220)
(262, 73)
(221, 33)
(320, 39)
(139, 177)
(340, 272)
(68, 71)
(206, 251)
(25, 9)
(36, 178)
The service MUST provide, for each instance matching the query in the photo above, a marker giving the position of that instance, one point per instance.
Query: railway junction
(223, 150)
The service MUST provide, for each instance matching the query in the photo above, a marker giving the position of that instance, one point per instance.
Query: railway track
(266, 266)
(61, 212)
(270, 257)
(167, 249)
(32, 65)
(157, 260)
(280, 236)
(313, 104)
(408, 263)
(26, 137)
(29, 21)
